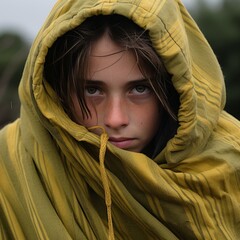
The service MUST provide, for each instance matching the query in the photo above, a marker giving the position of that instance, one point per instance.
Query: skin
(119, 98)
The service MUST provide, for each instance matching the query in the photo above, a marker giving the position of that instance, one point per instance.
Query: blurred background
(20, 21)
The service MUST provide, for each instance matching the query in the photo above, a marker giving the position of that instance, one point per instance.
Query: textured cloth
(60, 181)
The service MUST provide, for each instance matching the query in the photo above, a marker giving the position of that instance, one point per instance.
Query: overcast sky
(27, 16)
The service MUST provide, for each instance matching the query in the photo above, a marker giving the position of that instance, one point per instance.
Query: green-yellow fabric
(51, 179)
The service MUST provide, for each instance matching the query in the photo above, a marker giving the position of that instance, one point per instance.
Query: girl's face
(119, 98)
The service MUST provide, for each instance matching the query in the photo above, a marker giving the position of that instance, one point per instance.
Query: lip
(121, 142)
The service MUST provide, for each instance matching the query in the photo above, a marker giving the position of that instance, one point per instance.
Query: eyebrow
(134, 81)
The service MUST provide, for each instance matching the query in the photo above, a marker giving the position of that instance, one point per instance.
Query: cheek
(146, 112)
(151, 118)
(86, 122)
(154, 118)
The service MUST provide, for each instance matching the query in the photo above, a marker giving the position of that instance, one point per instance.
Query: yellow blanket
(60, 181)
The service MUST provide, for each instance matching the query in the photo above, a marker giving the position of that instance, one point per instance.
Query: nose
(116, 114)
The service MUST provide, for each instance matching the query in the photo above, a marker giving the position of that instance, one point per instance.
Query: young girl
(122, 133)
(104, 54)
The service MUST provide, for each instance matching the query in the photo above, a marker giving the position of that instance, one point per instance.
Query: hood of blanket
(187, 56)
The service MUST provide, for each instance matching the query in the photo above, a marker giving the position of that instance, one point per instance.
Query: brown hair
(67, 63)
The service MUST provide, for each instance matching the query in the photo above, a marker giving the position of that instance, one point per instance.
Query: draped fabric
(60, 181)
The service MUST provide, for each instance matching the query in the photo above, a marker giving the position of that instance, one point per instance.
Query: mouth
(122, 142)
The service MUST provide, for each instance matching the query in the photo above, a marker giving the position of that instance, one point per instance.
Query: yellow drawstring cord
(107, 192)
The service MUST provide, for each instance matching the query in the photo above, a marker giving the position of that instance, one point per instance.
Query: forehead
(109, 60)
(104, 46)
